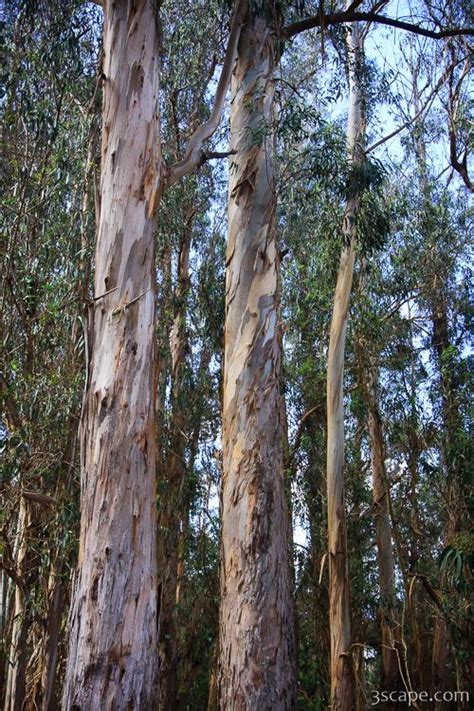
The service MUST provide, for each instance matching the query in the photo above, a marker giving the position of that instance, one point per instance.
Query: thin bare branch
(193, 155)
(414, 118)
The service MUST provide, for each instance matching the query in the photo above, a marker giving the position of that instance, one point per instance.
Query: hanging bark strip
(256, 645)
(112, 658)
(342, 678)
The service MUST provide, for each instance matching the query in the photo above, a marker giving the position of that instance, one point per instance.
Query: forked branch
(193, 157)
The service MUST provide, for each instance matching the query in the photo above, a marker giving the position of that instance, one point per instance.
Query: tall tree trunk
(441, 674)
(18, 654)
(51, 638)
(342, 678)
(112, 658)
(389, 623)
(256, 645)
(172, 513)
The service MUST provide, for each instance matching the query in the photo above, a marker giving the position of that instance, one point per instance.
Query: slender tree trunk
(5, 588)
(18, 654)
(112, 660)
(51, 638)
(441, 674)
(361, 695)
(172, 513)
(342, 678)
(389, 623)
(256, 645)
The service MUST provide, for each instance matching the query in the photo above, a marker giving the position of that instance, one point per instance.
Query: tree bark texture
(342, 677)
(256, 645)
(112, 661)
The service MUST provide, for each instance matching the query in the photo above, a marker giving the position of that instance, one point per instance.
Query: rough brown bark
(256, 645)
(112, 658)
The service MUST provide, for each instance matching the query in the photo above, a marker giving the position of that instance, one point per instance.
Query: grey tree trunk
(256, 644)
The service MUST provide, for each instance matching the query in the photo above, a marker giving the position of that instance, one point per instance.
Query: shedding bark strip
(256, 645)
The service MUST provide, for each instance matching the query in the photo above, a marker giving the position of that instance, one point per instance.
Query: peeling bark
(256, 645)
(112, 660)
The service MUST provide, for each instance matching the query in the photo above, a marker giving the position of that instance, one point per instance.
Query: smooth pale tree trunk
(112, 660)
(256, 644)
(342, 677)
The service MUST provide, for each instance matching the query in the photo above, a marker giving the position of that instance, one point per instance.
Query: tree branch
(337, 18)
(410, 121)
(214, 155)
(193, 155)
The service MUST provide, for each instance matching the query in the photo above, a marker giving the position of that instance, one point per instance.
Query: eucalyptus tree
(114, 617)
(342, 680)
(441, 223)
(367, 345)
(256, 643)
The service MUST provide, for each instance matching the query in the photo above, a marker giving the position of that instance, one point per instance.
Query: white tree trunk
(256, 645)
